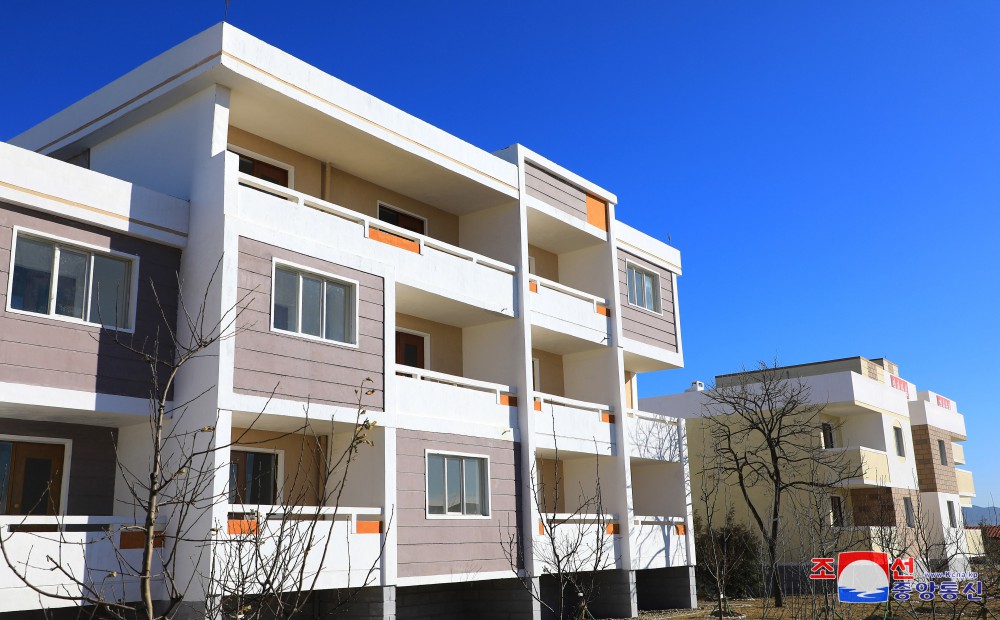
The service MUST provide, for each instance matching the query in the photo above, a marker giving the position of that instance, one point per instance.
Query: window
(643, 288)
(411, 349)
(263, 170)
(314, 305)
(57, 279)
(253, 477)
(30, 478)
(900, 447)
(942, 452)
(828, 435)
(396, 217)
(908, 511)
(837, 508)
(952, 521)
(457, 485)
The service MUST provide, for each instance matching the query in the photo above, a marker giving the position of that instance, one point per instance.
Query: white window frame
(382, 203)
(302, 269)
(942, 453)
(536, 374)
(901, 444)
(487, 497)
(531, 265)
(239, 150)
(279, 483)
(56, 240)
(67, 459)
(659, 288)
(952, 514)
(427, 344)
(909, 516)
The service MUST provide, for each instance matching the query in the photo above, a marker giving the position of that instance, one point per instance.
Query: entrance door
(410, 350)
(35, 479)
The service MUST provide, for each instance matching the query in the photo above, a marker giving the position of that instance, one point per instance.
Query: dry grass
(755, 610)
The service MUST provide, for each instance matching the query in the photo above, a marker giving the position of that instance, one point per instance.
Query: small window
(396, 217)
(30, 478)
(942, 452)
(952, 520)
(253, 477)
(263, 170)
(457, 485)
(837, 508)
(314, 305)
(57, 279)
(908, 511)
(900, 446)
(828, 435)
(643, 288)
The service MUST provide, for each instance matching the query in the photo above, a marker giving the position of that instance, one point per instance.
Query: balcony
(974, 541)
(563, 310)
(421, 262)
(958, 453)
(849, 393)
(86, 549)
(338, 547)
(587, 541)
(574, 425)
(935, 410)
(874, 465)
(461, 401)
(658, 542)
(652, 436)
(966, 488)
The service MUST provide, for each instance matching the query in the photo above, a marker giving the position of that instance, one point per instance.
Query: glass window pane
(650, 295)
(111, 291)
(6, 450)
(631, 285)
(36, 480)
(908, 509)
(286, 300)
(261, 475)
(32, 275)
(454, 486)
(435, 484)
(312, 306)
(338, 313)
(234, 471)
(71, 284)
(473, 487)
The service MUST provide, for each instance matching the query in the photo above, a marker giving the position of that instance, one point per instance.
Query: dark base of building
(666, 588)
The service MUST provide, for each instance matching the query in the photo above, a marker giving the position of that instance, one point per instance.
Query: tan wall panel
(546, 263)
(303, 455)
(446, 342)
(550, 371)
(308, 171)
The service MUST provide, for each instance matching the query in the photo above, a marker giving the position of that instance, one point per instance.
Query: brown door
(410, 350)
(403, 220)
(35, 479)
(263, 170)
(237, 476)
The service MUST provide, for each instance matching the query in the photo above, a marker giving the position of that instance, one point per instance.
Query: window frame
(91, 249)
(487, 495)
(837, 511)
(900, 440)
(302, 269)
(952, 515)
(942, 452)
(279, 476)
(629, 264)
(909, 516)
(427, 345)
(826, 430)
(239, 150)
(67, 445)
(381, 203)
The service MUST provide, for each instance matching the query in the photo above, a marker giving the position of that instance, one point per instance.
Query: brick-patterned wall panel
(931, 474)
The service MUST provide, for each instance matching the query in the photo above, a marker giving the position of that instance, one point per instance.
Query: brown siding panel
(641, 325)
(555, 192)
(39, 350)
(931, 474)
(92, 461)
(445, 546)
(298, 368)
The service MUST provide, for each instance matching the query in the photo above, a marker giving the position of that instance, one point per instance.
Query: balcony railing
(873, 465)
(966, 487)
(653, 436)
(562, 308)
(594, 540)
(575, 425)
(438, 395)
(59, 553)
(314, 546)
(659, 542)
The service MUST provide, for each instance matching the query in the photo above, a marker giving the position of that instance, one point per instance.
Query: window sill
(646, 310)
(69, 319)
(317, 339)
(458, 517)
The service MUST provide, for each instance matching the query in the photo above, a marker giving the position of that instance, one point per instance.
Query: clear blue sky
(830, 170)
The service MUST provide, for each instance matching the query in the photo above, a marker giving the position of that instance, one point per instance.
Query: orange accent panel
(538, 405)
(508, 400)
(369, 527)
(532, 286)
(612, 528)
(131, 539)
(541, 528)
(242, 526)
(606, 311)
(597, 212)
(394, 240)
(607, 417)
(680, 528)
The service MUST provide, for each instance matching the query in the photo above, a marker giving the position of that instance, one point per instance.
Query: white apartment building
(492, 302)
(905, 443)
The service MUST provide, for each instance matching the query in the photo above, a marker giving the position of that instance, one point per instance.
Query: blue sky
(830, 171)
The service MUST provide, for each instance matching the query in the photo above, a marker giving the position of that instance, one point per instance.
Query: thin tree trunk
(152, 509)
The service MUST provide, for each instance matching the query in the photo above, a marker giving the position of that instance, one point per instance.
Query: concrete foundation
(666, 588)
(614, 595)
(498, 599)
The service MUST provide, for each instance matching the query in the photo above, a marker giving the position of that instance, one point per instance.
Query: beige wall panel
(546, 263)
(308, 176)
(550, 371)
(303, 461)
(446, 342)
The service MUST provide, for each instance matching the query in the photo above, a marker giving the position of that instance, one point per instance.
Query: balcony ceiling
(557, 236)
(419, 303)
(561, 343)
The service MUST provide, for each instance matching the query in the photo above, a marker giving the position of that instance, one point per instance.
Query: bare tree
(268, 570)
(765, 428)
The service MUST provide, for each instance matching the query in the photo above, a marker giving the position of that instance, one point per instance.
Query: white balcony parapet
(57, 554)
(560, 308)
(656, 542)
(578, 534)
(574, 425)
(873, 465)
(459, 400)
(653, 436)
(497, 389)
(370, 223)
(940, 412)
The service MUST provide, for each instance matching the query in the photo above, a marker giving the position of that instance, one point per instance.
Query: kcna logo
(862, 576)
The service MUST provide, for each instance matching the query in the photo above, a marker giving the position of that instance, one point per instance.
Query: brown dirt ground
(755, 610)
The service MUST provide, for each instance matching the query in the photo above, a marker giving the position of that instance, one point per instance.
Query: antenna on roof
(225, 14)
